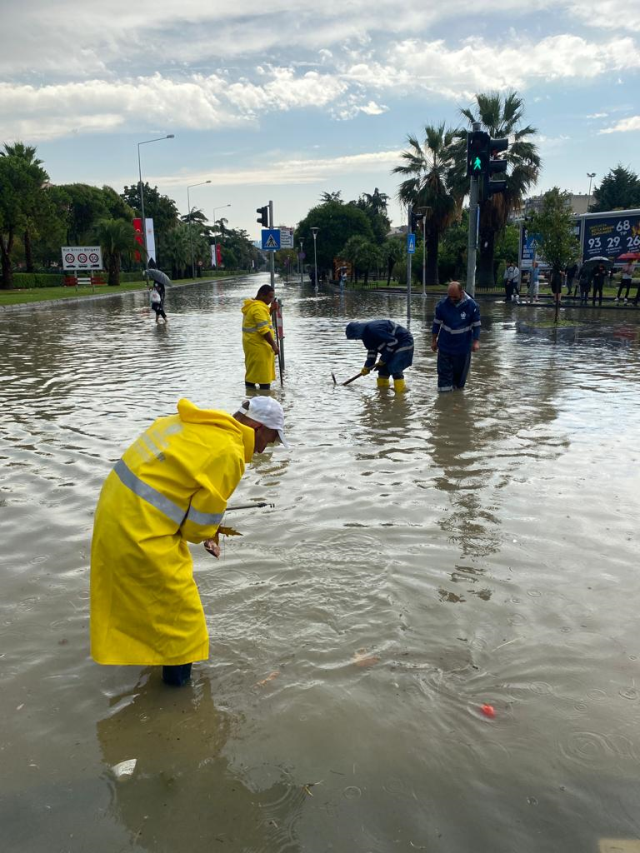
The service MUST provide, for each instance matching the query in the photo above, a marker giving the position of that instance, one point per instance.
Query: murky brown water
(426, 555)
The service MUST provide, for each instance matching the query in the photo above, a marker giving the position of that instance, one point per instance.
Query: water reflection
(183, 794)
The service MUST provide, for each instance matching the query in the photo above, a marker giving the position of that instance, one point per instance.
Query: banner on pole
(137, 227)
(218, 255)
(214, 256)
(151, 241)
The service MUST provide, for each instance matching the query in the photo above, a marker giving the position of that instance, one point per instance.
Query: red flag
(218, 254)
(137, 227)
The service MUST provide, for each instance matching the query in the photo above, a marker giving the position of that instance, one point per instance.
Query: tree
(19, 184)
(376, 200)
(452, 257)
(336, 222)
(176, 250)
(554, 223)
(619, 190)
(501, 116)
(31, 204)
(429, 185)
(393, 251)
(337, 197)
(374, 205)
(158, 207)
(117, 237)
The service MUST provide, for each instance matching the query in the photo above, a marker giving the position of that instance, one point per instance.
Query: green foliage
(452, 258)
(117, 237)
(619, 190)
(393, 250)
(363, 254)
(337, 223)
(554, 223)
(158, 207)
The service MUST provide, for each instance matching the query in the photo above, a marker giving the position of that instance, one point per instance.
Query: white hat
(267, 411)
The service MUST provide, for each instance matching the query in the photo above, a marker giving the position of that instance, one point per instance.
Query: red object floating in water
(488, 710)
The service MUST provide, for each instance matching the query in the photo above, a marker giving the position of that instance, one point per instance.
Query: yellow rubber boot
(399, 386)
(383, 381)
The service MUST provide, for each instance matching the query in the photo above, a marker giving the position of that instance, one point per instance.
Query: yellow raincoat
(259, 358)
(170, 487)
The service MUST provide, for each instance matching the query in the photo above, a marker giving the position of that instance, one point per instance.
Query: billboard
(81, 257)
(610, 235)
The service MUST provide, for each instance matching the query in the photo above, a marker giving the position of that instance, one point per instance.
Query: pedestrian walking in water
(169, 488)
(389, 343)
(258, 339)
(626, 279)
(584, 283)
(456, 334)
(157, 303)
(511, 283)
(598, 278)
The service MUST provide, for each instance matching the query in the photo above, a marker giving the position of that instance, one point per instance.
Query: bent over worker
(455, 335)
(390, 344)
(258, 340)
(169, 488)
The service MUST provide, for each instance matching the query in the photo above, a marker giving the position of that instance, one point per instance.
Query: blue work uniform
(386, 342)
(457, 325)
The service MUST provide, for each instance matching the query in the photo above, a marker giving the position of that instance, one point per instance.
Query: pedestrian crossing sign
(270, 239)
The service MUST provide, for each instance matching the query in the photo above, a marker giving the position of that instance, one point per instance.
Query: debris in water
(269, 678)
(361, 658)
(125, 769)
(488, 711)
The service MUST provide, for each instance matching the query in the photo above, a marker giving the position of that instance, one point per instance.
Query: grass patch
(549, 323)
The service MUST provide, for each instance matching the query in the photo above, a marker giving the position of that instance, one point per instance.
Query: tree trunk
(433, 239)
(28, 254)
(485, 273)
(114, 270)
(366, 277)
(6, 283)
(390, 264)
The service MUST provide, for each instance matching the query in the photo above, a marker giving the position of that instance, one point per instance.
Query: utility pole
(409, 224)
(300, 261)
(472, 244)
(272, 258)
(424, 257)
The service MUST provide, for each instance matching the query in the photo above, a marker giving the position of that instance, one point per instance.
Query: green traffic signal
(477, 165)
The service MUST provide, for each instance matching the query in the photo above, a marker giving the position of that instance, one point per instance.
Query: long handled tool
(353, 378)
(250, 506)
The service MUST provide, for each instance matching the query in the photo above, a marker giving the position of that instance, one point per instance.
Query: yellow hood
(247, 304)
(191, 414)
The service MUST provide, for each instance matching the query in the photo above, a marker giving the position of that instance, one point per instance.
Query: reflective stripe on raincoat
(170, 487)
(259, 358)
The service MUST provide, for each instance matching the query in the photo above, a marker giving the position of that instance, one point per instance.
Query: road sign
(301, 256)
(286, 238)
(81, 258)
(271, 239)
(411, 244)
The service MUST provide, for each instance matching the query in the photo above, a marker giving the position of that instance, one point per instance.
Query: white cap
(267, 411)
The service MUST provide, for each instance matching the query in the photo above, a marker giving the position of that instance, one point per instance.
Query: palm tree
(177, 249)
(376, 200)
(501, 115)
(117, 237)
(27, 154)
(393, 250)
(326, 197)
(431, 168)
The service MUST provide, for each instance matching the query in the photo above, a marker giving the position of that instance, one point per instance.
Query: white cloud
(626, 125)
(607, 14)
(597, 115)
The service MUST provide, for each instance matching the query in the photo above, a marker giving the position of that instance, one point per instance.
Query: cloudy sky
(269, 101)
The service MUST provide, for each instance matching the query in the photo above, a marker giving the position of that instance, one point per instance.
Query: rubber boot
(383, 382)
(177, 676)
(399, 386)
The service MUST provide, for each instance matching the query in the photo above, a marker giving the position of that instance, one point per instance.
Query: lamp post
(591, 176)
(190, 187)
(314, 231)
(219, 207)
(144, 223)
(300, 261)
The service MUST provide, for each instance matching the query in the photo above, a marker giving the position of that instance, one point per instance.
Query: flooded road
(426, 555)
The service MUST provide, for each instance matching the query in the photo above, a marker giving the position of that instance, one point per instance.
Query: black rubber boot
(177, 676)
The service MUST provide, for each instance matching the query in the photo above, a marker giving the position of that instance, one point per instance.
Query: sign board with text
(81, 258)
(286, 238)
(610, 235)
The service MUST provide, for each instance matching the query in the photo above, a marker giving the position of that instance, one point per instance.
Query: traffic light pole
(409, 221)
(272, 255)
(472, 244)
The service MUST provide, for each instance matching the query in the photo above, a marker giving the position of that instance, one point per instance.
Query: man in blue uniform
(456, 333)
(390, 344)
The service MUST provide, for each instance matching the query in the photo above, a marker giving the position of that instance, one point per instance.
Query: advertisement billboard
(610, 235)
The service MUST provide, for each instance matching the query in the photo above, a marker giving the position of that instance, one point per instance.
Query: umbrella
(159, 276)
(629, 256)
(592, 262)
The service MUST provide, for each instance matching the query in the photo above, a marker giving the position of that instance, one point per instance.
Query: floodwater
(426, 555)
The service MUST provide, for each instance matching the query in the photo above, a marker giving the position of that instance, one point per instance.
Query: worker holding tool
(455, 335)
(390, 344)
(258, 339)
(169, 488)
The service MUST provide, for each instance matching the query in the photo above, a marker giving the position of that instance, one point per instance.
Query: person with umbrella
(160, 282)
(626, 275)
(598, 277)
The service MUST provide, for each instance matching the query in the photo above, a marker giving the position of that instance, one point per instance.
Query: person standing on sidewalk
(455, 335)
(571, 273)
(626, 277)
(511, 283)
(598, 279)
(534, 283)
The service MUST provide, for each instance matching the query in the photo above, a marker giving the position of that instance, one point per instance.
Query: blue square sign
(411, 244)
(270, 239)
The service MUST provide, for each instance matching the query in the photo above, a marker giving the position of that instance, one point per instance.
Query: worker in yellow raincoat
(258, 340)
(169, 488)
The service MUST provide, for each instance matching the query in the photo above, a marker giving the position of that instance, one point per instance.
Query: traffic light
(416, 219)
(495, 166)
(477, 153)
(263, 219)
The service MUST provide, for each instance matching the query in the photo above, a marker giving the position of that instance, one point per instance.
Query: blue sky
(272, 102)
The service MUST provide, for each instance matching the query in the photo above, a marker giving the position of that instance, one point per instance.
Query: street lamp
(190, 187)
(300, 261)
(314, 231)
(220, 207)
(144, 223)
(591, 176)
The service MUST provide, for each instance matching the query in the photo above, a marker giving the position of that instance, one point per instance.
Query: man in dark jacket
(390, 344)
(456, 333)
(598, 279)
